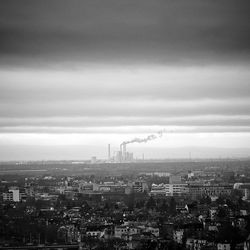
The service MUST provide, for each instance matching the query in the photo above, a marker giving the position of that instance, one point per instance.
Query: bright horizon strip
(171, 139)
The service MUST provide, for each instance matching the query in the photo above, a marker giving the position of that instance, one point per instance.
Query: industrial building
(121, 155)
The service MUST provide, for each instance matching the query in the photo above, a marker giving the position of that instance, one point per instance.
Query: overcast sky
(77, 75)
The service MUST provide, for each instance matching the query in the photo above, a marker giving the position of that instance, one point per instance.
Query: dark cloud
(116, 31)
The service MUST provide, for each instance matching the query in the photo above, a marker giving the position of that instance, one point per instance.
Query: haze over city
(79, 75)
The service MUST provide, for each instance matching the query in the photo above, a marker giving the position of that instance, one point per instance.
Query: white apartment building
(12, 195)
(16, 193)
(176, 189)
(169, 189)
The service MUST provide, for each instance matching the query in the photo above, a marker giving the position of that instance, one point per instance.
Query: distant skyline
(77, 75)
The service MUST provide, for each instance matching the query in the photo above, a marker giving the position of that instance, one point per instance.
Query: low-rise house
(195, 244)
(68, 234)
(125, 231)
(247, 243)
(120, 231)
(178, 236)
(223, 246)
(94, 234)
(153, 230)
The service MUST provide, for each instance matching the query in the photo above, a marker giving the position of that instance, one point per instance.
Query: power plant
(123, 156)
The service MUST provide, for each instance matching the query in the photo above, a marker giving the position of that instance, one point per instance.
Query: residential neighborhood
(191, 209)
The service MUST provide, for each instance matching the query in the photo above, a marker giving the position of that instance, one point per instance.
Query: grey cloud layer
(119, 121)
(134, 108)
(116, 31)
(50, 101)
(119, 130)
(157, 83)
(108, 64)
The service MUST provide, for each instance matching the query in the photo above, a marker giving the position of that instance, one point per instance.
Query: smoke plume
(148, 138)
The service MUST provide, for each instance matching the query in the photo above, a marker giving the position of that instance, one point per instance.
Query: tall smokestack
(121, 154)
(124, 153)
(108, 151)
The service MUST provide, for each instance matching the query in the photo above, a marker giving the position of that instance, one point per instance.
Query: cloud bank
(116, 67)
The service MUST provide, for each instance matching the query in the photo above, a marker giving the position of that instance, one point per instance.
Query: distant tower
(124, 153)
(121, 150)
(109, 152)
(93, 159)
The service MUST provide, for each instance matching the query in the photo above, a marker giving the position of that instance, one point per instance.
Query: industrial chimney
(109, 152)
(124, 152)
